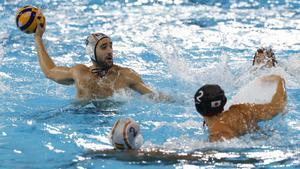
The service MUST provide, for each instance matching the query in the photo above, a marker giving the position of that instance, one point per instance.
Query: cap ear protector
(91, 43)
(210, 100)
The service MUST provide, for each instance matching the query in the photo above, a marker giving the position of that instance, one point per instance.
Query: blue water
(176, 46)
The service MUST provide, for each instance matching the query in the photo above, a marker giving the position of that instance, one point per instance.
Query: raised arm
(278, 102)
(61, 75)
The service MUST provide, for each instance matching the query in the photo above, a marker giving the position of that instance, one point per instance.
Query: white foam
(3, 88)
(4, 75)
(189, 124)
(257, 91)
(122, 95)
(90, 145)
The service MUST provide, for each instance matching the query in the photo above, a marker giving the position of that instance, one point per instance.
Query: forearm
(45, 61)
(279, 99)
(277, 105)
(141, 88)
(157, 96)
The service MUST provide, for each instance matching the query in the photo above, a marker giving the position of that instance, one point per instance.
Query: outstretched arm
(137, 84)
(278, 102)
(62, 75)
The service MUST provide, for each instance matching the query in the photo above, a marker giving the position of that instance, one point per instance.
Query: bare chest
(92, 86)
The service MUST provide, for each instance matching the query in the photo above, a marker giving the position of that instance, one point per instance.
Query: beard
(105, 64)
(109, 63)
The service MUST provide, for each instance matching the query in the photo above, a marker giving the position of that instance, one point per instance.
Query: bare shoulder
(127, 71)
(80, 68)
(241, 108)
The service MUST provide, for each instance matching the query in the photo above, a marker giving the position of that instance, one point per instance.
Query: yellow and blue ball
(26, 19)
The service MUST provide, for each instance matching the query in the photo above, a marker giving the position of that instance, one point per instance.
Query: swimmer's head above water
(99, 48)
(210, 100)
(265, 57)
(125, 135)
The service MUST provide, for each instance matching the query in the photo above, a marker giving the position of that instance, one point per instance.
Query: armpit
(221, 132)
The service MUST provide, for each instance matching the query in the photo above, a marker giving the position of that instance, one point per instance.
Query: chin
(110, 64)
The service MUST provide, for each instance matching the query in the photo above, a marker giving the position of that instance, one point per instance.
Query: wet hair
(210, 100)
(269, 53)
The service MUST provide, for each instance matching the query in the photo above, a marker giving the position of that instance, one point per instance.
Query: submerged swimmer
(264, 57)
(239, 119)
(100, 80)
(126, 138)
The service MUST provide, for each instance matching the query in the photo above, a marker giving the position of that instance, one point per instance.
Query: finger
(40, 17)
(39, 12)
(38, 23)
(44, 27)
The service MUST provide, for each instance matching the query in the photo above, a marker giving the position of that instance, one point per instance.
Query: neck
(209, 120)
(100, 70)
(100, 66)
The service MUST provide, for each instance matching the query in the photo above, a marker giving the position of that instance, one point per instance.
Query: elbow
(49, 75)
(275, 111)
(280, 108)
(281, 105)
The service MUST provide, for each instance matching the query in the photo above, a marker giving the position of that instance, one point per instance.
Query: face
(262, 58)
(104, 52)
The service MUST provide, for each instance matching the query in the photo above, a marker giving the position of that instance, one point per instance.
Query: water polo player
(264, 57)
(239, 119)
(126, 138)
(100, 80)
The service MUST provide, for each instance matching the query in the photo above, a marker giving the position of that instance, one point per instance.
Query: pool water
(176, 46)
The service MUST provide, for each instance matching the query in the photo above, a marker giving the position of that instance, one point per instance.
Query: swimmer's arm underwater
(277, 104)
(148, 155)
(61, 75)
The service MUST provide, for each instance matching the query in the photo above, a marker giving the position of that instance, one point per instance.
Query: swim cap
(91, 43)
(210, 100)
(125, 134)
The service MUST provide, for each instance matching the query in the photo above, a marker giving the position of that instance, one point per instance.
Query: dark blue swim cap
(210, 100)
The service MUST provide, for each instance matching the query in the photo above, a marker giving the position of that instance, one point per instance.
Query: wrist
(37, 37)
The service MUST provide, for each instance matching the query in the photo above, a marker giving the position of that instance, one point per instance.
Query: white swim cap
(125, 134)
(91, 43)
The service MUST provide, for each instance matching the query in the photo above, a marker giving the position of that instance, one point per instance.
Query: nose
(109, 49)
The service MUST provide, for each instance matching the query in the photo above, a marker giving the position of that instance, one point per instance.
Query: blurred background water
(176, 46)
